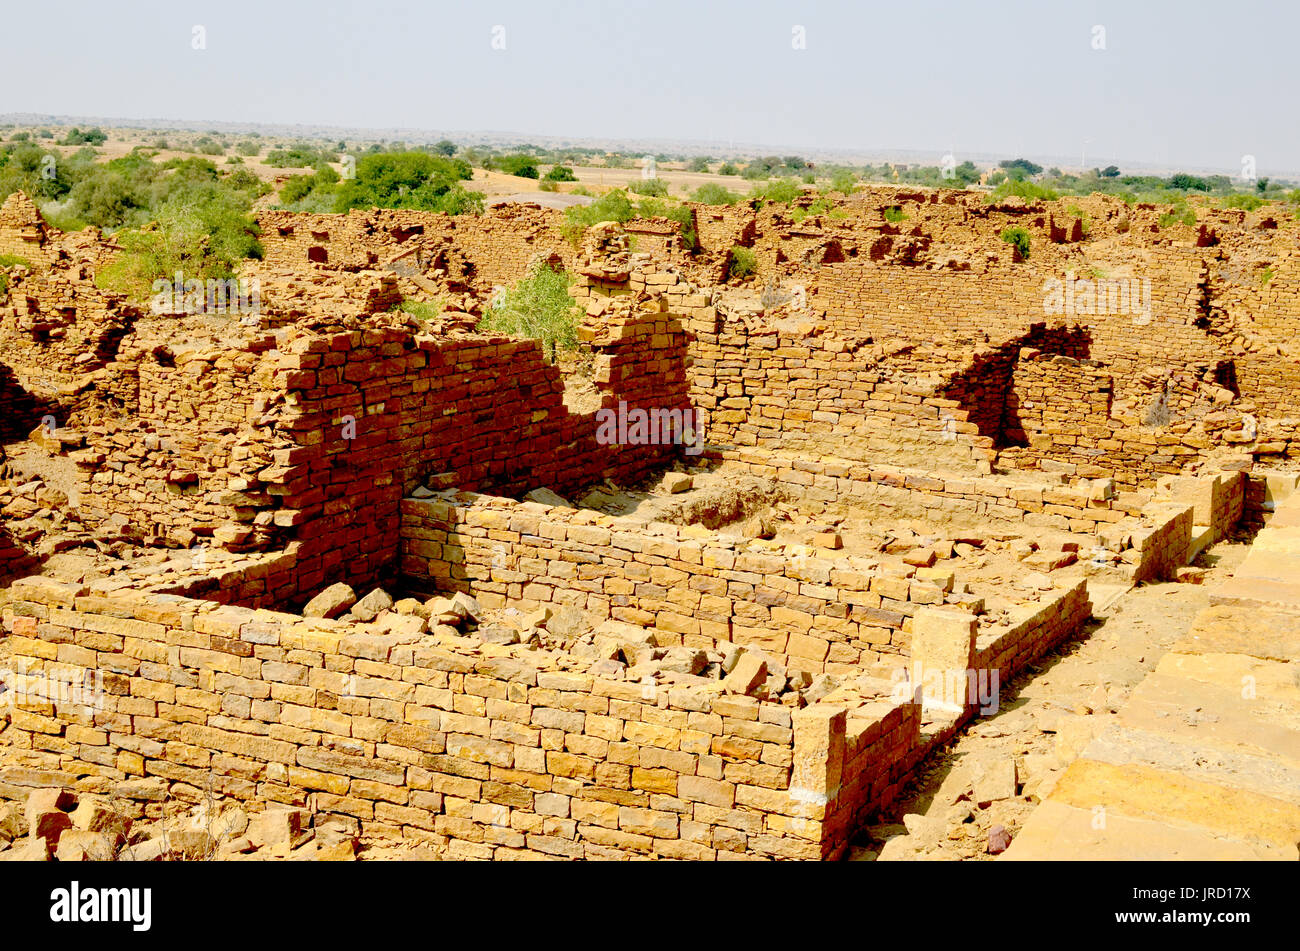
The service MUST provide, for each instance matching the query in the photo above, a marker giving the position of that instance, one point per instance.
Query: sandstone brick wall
(478, 755)
(482, 412)
(498, 245)
(1083, 508)
(812, 392)
(1163, 545)
(24, 233)
(1040, 629)
(691, 585)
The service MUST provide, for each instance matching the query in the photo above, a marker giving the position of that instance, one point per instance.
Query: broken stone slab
(996, 781)
(465, 605)
(29, 850)
(275, 826)
(331, 602)
(372, 605)
(749, 671)
(685, 660)
(94, 816)
(675, 482)
(547, 497)
(82, 845)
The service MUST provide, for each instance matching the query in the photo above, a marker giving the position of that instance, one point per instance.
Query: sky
(1187, 83)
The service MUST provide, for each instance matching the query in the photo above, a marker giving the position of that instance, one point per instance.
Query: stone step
(1057, 831)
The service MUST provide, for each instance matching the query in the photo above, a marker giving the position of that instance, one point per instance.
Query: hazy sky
(1192, 82)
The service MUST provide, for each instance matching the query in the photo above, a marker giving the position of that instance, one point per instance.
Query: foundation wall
(477, 756)
(690, 585)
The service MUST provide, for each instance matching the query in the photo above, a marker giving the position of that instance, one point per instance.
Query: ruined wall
(498, 245)
(375, 413)
(477, 756)
(691, 585)
(820, 393)
(24, 233)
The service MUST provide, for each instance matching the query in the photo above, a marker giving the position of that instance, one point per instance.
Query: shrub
(728, 169)
(9, 260)
(203, 232)
(538, 307)
(561, 173)
(699, 164)
(1019, 238)
(422, 309)
(522, 166)
(714, 194)
(415, 180)
(75, 136)
(895, 214)
(743, 262)
(1244, 201)
(1022, 189)
(781, 191)
(612, 206)
(1188, 182)
(654, 187)
(1019, 168)
(653, 208)
(299, 157)
(843, 182)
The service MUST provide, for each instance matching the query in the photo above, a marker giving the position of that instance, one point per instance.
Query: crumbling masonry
(744, 669)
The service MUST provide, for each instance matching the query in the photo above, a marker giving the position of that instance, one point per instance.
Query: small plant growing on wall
(1018, 238)
(744, 262)
(539, 307)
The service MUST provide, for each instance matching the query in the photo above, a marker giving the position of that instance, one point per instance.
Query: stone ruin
(332, 577)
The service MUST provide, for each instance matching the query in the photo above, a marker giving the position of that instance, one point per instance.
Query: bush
(538, 307)
(654, 187)
(1019, 168)
(415, 180)
(299, 157)
(1019, 238)
(653, 208)
(612, 206)
(781, 191)
(203, 232)
(93, 137)
(421, 309)
(1022, 189)
(561, 173)
(699, 164)
(1187, 182)
(6, 261)
(1244, 201)
(895, 214)
(843, 182)
(743, 262)
(728, 169)
(522, 166)
(714, 194)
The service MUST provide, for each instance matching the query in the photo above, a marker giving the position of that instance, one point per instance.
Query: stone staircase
(1204, 761)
